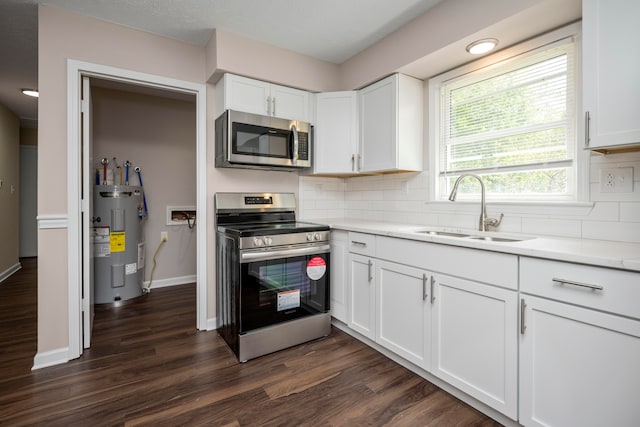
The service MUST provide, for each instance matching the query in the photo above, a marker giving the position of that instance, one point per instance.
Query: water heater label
(117, 241)
(131, 268)
(101, 246)
(288, 299)
(316, 267)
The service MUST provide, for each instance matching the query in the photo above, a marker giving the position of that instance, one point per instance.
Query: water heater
(118, 244)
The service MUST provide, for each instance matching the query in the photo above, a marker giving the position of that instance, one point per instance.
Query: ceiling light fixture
(482, 46)
(30, 92)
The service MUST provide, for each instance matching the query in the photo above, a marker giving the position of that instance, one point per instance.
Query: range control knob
(257, 241)
(268, 241)
(317, 236)
(310, 237)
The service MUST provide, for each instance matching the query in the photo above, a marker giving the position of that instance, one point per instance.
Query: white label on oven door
(288, 299)
(316, 267)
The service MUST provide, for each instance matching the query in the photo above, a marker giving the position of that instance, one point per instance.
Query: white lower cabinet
(475, 340)
(578, 367)
(557, 346)
(404, 311)
(579, 345)
(339, 276)
(362, 295)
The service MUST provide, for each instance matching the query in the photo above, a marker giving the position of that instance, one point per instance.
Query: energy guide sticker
(316, 267)
(288, 299)
(117, 241)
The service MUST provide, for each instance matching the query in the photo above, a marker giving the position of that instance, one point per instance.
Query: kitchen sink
(471, 236)
(495, 239)
(442, 233)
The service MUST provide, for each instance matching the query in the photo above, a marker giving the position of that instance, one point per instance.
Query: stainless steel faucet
(484, 221)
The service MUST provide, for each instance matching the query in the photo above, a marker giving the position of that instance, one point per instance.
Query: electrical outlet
(164, 236)
(616, 180)
(404, 187)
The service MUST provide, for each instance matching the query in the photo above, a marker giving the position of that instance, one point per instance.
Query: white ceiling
(332, 30)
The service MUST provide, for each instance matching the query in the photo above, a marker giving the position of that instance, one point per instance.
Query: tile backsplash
(402, 198)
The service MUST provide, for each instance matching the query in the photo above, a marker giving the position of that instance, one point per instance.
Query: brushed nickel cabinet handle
(433, 295)
(268, 105)
(523, 306)
(587, 123)
(580, 284)
(353, 242)
(424, 287)
(370, 265)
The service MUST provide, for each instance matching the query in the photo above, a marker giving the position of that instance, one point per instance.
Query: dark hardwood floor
(149, 366)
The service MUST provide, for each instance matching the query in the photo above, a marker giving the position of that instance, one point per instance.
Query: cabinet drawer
(474, 264)
(614, 291)
(361, 243)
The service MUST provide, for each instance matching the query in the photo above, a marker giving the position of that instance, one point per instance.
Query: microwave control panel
(303, 146)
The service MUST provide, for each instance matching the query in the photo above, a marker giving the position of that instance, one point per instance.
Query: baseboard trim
(212, 324)
(9, 271)
(171, 281)
(50, 358)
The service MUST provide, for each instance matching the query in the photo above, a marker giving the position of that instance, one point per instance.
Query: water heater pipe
(144, 198)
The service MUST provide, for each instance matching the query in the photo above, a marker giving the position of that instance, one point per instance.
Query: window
(512, 123)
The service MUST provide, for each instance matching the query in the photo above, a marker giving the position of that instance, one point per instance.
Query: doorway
(79, 200)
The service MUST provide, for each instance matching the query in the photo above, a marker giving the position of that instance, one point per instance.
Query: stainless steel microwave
(245, 140)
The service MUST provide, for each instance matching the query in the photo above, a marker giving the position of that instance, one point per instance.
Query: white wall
(402, 198)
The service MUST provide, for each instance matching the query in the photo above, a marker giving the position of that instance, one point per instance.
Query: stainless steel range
(272, 274)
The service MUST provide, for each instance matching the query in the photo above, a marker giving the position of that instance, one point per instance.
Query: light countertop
(601, 253)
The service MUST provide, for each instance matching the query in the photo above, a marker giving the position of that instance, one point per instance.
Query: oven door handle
(252, 256)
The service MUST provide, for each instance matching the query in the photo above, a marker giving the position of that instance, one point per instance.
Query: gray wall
(9, 200)
(158, 134)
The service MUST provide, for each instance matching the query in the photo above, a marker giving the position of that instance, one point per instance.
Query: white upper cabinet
(258, 97)
(611, 70)
(336, 133)
(391, 117)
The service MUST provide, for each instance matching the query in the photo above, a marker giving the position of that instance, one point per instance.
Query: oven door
(283, 284)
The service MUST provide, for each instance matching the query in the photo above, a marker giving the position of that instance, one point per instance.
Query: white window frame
(581, 162)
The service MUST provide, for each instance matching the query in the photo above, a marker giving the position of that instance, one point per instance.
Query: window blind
(513, 124)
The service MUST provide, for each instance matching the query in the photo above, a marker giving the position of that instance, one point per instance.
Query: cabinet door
(339, 276)
(336, 135)
(404, 311)
(378, 126)
(290, 104)
(362, 295)
(578, 367)
(248, 95)
(611, 66)
(475, 341)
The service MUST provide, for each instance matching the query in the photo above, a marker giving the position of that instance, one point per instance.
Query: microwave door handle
(294, 132)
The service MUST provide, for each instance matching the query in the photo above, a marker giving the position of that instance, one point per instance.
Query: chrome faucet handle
(492, 222)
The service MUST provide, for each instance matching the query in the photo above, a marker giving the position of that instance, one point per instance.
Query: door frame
(75, 71)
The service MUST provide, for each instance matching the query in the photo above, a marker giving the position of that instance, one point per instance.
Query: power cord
(147, 289)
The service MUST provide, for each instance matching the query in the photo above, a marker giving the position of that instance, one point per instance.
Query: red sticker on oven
(316, 267)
